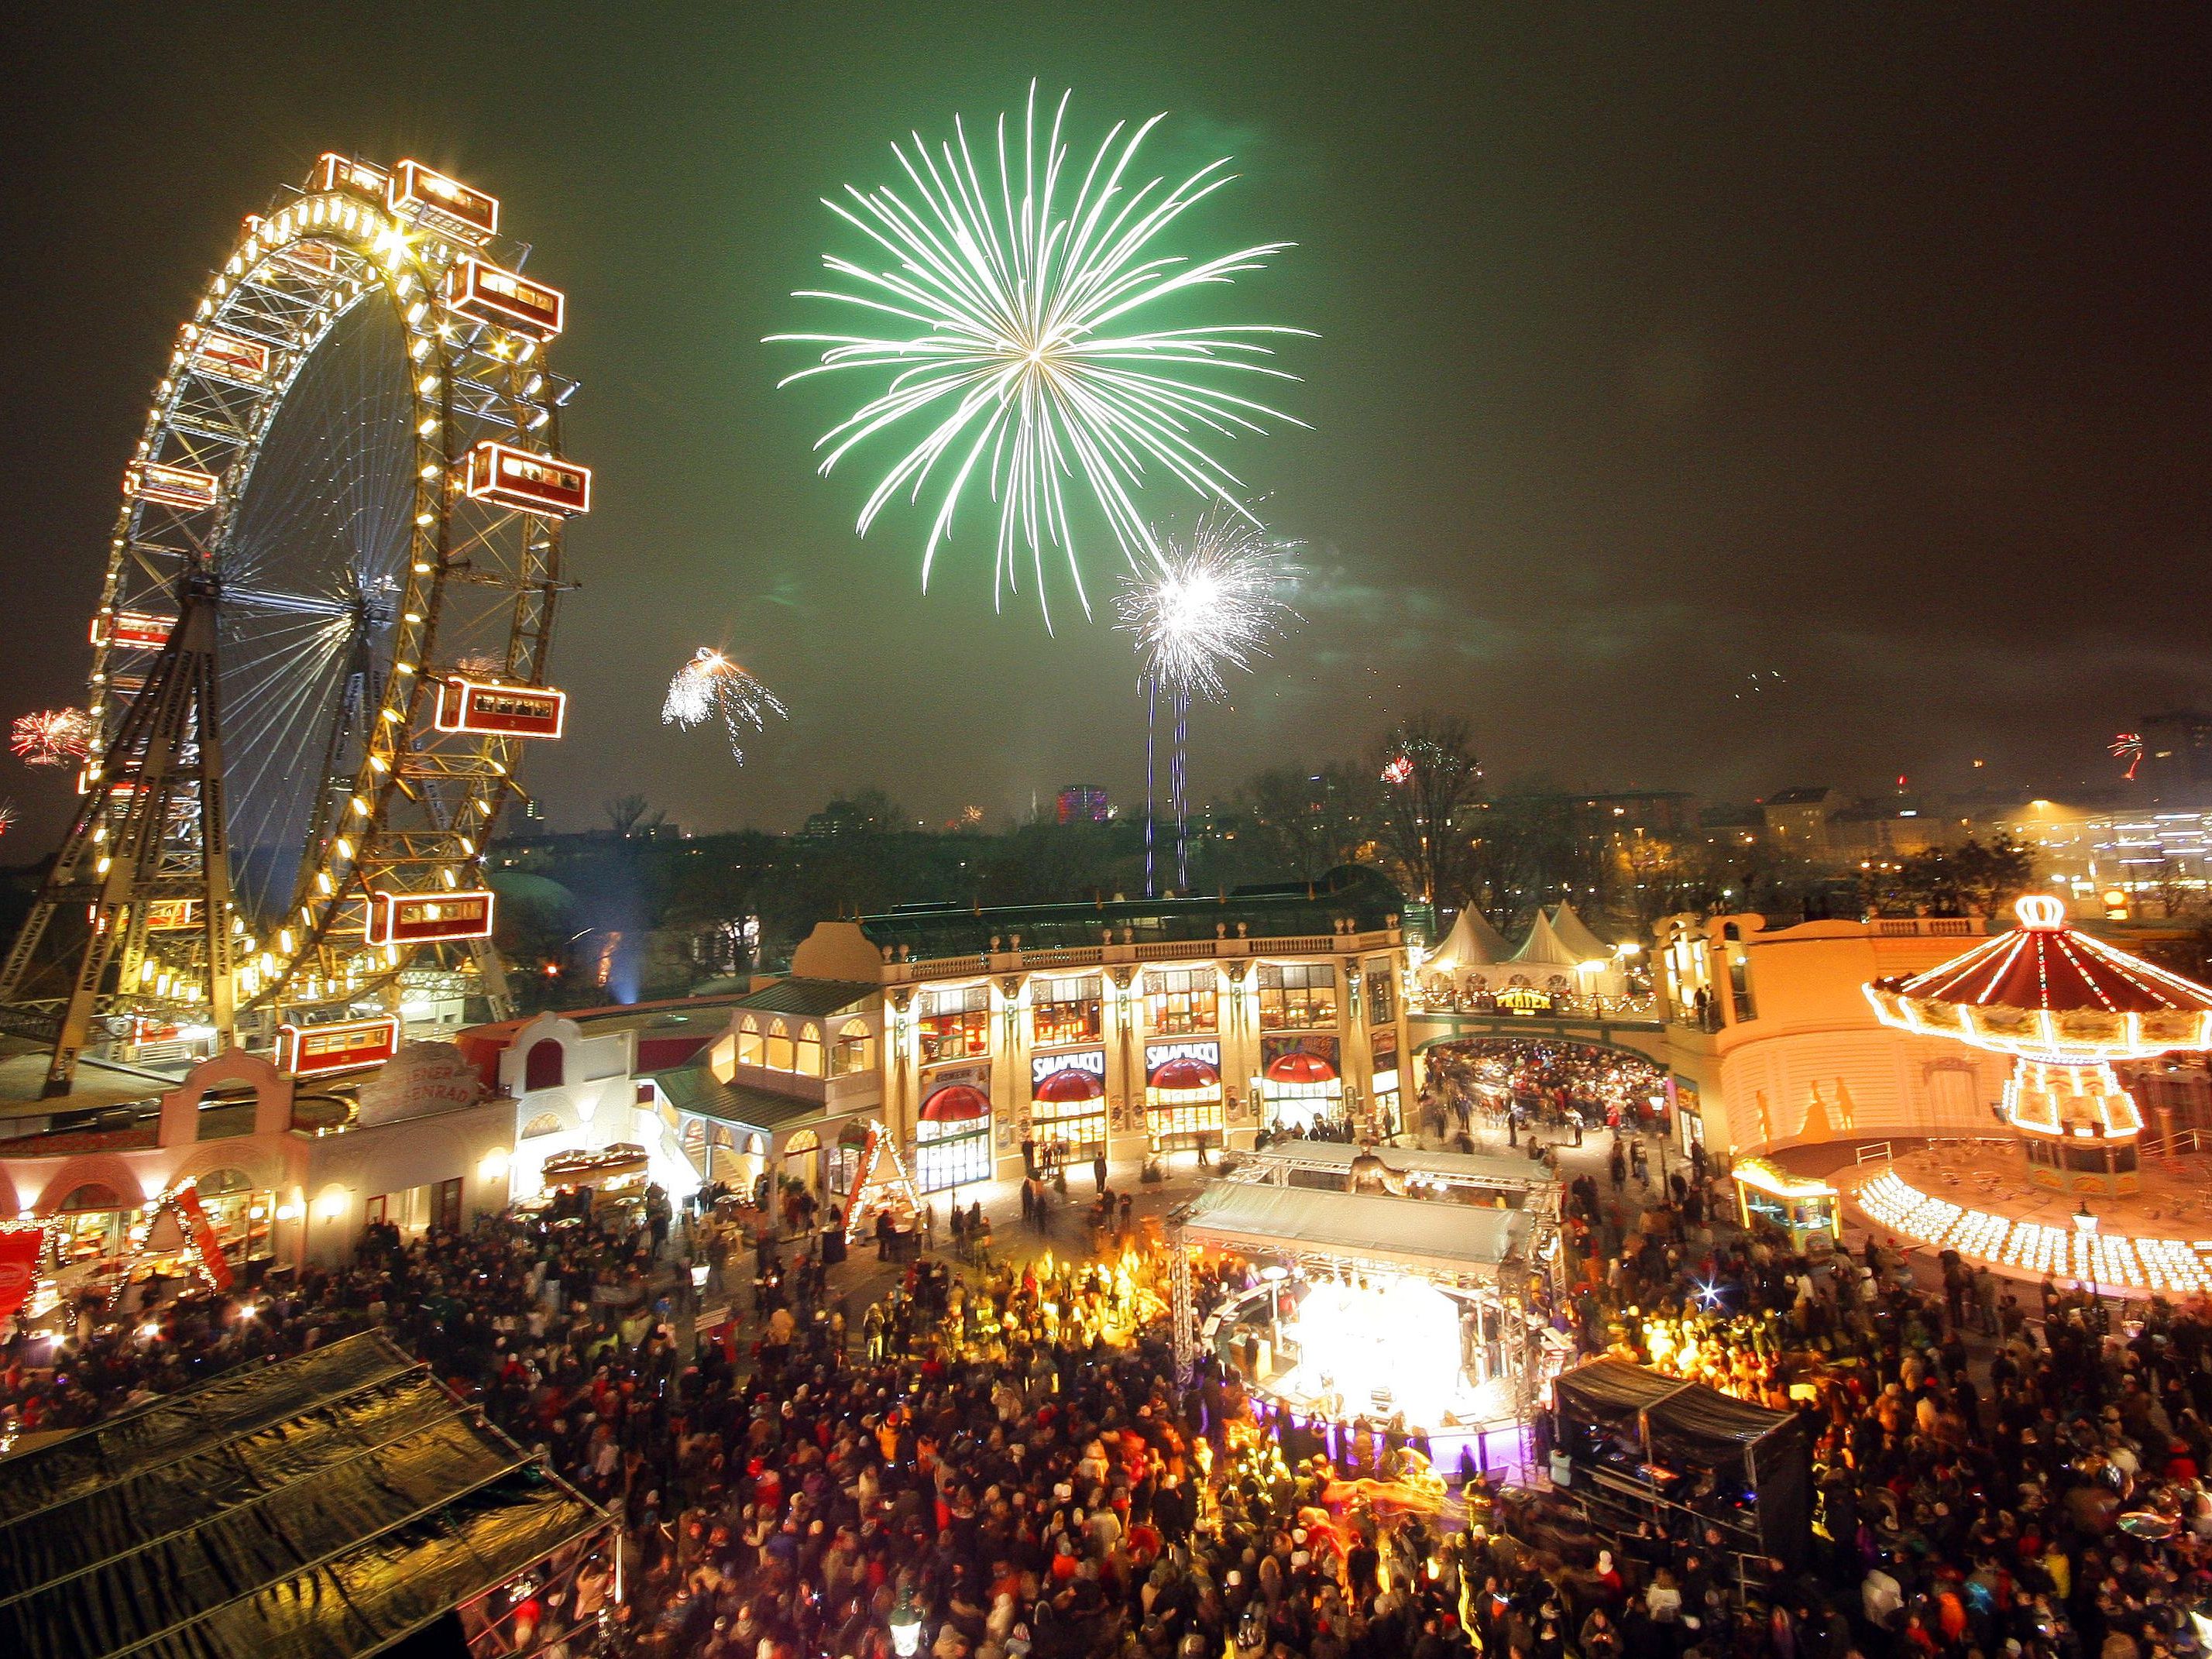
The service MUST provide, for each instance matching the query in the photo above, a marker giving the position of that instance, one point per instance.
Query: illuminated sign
(226, 357)
(1524, 999)
(1157, 1054)
(335, 172)
(317, 1050)
(171, 915)
(1042, 1066)
(141, 630)
(504, 711)
(491, 294)
(469, 214)
(172, 486)
(424, 918)
(496, 473)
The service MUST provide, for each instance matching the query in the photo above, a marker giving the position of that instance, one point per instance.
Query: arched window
(545, 1123)
(545, 1066)
(749, 1041)
(804, 1141)
(217, 1183)
(807, 1055)
(855, 1051)
(93, 1196)
(780, 1055)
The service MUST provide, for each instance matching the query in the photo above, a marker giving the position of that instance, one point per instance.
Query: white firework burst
(1213, 604)
(711, 685)
(1019, 338)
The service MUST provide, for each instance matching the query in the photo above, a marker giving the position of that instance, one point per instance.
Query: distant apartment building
(1796, 819)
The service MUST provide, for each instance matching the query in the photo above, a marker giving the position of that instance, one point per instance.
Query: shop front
(1382, 1049)
(1301, 1080)
(1067, 1107)
(953, 1133)
(1182, 1095)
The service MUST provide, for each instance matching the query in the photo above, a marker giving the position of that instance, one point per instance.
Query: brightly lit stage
(1385, 1307)
(1978, 1197)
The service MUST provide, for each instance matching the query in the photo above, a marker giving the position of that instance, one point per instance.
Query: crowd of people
(1516, 1083)
(1005, 1454)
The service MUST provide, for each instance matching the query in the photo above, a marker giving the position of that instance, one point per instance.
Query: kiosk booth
(1805, 1207)
(1634, 1444)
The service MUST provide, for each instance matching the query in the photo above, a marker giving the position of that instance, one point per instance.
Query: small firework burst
(8, 815)
(53, 737)
(711, 685)
(2128, 746)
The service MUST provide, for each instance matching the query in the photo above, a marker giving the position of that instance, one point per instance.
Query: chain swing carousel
(2065, 1008)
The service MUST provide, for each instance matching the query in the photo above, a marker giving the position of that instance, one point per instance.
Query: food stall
(1805, 1208)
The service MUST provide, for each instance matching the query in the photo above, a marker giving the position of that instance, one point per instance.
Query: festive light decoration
(882, 1182)
(52, 736)
(1023, 347)
(2167, 1265)
(2065, 1006)
(2128, 746)
(1211, 606)
(711, 685)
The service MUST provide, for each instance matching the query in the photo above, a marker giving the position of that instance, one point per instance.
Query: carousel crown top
(2044, 991)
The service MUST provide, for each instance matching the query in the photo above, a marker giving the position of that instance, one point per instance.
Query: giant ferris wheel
(321, 645)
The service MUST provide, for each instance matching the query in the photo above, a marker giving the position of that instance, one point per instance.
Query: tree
(1972, 879)
(1305, 821)
(1429, 778)
(627, 815)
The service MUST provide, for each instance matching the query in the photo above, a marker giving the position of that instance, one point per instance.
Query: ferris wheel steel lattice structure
(322, 642)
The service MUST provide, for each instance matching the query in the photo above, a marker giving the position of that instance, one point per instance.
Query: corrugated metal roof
(1414, 1232)
(696, 1090)
(333, 1502)
(1362, 896)
(814, 997)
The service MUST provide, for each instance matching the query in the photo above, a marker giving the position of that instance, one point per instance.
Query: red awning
(1186, 1074)
(1069, 1087)
(956, 1104)
(1301, 1068)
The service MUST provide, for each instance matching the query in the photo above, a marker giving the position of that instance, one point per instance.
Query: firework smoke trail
(1022, 349)
(54, 736)
(711, 685)
(1213, 606)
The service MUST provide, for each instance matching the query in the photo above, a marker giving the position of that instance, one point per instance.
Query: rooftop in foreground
(338, 1502)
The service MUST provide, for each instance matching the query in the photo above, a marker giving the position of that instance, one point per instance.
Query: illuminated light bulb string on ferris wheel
(1213, 604)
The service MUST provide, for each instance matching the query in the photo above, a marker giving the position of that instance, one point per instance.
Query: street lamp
(2085, 1224)
(905, 1625)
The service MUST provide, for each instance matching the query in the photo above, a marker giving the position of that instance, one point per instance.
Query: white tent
(1547, 961)
(1472, 943)
(1577, 936)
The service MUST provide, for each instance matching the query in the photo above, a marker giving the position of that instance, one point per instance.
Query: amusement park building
(1110, 1028)
(1770, 1042)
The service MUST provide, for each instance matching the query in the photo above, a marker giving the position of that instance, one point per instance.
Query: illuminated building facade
(1118, 1027)
(1083, 803)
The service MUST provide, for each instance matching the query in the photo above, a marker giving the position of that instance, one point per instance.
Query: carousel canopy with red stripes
(2046, 993)
(1301, 1068)
(956, 1104)
(2045, 965)
(1069, 1086)
(1186, 1074)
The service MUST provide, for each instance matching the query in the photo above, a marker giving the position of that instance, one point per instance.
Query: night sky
(1656, 352)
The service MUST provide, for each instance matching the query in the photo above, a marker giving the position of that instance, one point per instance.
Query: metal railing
(1108, 953)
